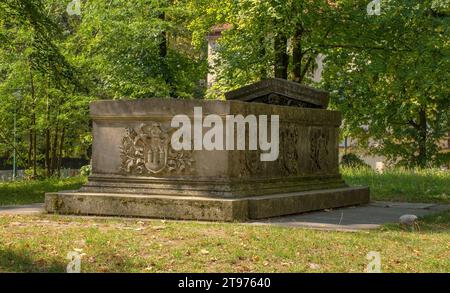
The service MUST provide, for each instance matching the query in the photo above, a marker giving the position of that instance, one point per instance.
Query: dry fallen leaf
(255, 258)
(80, 243)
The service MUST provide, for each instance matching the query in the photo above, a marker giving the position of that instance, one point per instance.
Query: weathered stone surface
(201, 208)
(207, 185)
(308, 152)
(276, 91)
(166, 207)
(286, 204)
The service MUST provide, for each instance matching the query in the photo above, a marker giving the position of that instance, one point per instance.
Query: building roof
(217, 30)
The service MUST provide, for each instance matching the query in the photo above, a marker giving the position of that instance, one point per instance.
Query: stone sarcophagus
(238, 159)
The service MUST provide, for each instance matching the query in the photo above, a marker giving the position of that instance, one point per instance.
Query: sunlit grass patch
(41, 244)
(32, 191)
(426, 185)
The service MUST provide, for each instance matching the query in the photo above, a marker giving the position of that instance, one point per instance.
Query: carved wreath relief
(319, 149)
(147, 151)
(291, 159)
(290, 155)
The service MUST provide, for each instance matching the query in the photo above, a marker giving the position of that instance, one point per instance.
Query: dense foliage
(388, 73)
(53, 63)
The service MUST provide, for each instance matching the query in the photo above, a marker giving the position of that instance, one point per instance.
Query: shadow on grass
(24, 262)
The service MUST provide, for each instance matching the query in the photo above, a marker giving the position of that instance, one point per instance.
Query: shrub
(352, 160)
(40, 174)
(86, 170)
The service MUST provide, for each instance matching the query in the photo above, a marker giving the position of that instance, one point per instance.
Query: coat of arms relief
(146, 150)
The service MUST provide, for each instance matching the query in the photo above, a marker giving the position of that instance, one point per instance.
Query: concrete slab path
(30, 209)
(356, 218)
(369, 216)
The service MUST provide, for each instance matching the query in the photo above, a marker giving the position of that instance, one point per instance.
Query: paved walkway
(363, 217)
(369, 216)
(30, 209)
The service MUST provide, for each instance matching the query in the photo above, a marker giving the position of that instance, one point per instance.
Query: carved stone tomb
(137, 172)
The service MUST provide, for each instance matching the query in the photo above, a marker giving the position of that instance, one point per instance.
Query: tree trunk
(33, 123)
(34, 151)
(54, 150)
(281, 56)
(297, 56)
(422, 159)
(30, 150)
(163, 38)
(47, 141)
(47, 151)
(61, 146)
(262, 54)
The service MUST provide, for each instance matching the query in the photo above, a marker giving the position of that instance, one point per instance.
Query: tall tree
(58, 63)
(394, 90)
(387, 72)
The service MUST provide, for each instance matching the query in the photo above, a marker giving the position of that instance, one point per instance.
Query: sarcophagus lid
(282, 92)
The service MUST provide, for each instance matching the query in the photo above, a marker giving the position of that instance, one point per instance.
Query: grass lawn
(41, 244)
(26, 192)
(429, 185)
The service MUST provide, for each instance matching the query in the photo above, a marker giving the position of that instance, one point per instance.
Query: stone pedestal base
(202, 208)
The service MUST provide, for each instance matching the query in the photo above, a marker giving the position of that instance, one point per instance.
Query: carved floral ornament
(146, 150)
(319, 140)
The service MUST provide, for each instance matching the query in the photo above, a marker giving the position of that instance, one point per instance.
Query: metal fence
(7, 175)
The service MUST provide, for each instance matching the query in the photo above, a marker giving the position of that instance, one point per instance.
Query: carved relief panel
(303, 151)
(146, 150)
(289, 149)
(318, 144)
